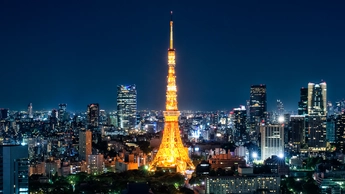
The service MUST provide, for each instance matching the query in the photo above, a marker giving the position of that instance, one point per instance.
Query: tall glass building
(14, 169)
(258, 103)
(127, 106)
(93, 115)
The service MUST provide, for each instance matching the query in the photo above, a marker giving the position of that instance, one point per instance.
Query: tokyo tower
(172, 155)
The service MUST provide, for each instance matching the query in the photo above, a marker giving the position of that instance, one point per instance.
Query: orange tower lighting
(172, 154)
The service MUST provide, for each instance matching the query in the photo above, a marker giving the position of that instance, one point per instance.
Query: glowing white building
(317, 99)
(272, 141)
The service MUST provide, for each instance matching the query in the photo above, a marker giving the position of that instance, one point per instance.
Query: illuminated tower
(172, 155)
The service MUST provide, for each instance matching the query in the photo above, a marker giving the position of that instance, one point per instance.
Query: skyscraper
(172, 155)
(317, 99)
(280, 107)
(240, 122)
(317, 131)
(127, 106)
(303, 103)
(85, 144)
(340, 131)
(93, 115)
(258, 103)
(14, 169)
(272, 140)
(62, 111)
(297, 137)
(30, 114)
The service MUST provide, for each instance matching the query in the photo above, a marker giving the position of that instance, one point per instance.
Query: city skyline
(78, 53)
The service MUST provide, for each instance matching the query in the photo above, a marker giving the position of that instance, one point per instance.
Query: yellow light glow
(171, 152)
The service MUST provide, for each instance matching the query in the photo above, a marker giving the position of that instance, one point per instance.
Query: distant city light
(281, 155)
(281, 119)
(255, 155)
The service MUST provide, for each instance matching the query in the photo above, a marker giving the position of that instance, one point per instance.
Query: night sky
(77, 52)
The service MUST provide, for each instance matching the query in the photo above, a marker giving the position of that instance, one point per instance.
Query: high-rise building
(340, 131)
(316, 131)
(85, 144)
(240, 121)
(258, 103)
(127, 106)
(317, 99)
(62, 111)
(280, 107)
(331, 129)
(172, 155)
(14, 169)
(303, 103)
(297, 137)
(93, 115)
(272, 140)
(30, 114)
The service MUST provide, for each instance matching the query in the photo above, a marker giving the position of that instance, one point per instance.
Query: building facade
(316, 131)
(85, 144)
(14, 169)
(303, 103)
(242, 184)
(317, 99)
(127, 106)
(93, 115)
(258, 103)
(272, 140)
(297, 132)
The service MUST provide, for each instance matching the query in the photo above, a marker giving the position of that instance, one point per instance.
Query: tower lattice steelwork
(171, 154)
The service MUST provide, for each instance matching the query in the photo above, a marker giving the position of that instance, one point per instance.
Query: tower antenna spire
(171, 31)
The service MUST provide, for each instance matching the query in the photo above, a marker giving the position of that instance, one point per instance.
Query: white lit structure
(317, 99)
(272, 140)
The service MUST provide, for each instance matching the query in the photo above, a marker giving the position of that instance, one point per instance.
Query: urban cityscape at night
(211, 98)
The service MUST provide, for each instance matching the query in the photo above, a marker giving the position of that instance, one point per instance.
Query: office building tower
(85, 144)
(240, 121)
(316, 132)
(14, 169)
(330, 109)
(62, 111)
(258, 103)
(303, 103)
(317, 99)
(297, 131)
(127, 106)
(30, 114)
(93, 115)
(280, 107)
(172, 155)
(340, 131)
(331, 129)
(272, 141)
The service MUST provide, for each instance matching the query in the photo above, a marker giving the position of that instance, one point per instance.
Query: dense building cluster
(248, 149)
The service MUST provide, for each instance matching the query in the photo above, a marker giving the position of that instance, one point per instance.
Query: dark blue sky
(76, 52)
